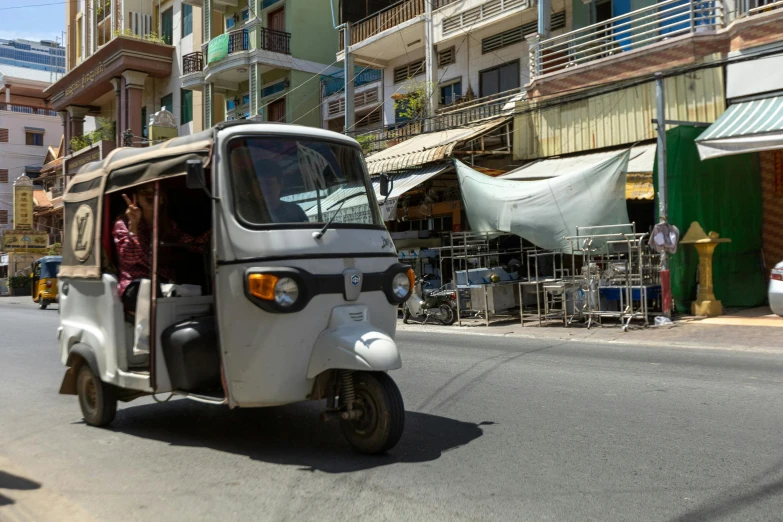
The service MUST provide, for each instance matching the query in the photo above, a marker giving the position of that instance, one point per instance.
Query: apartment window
(3, 175)
(33, 138)
(408, 71)
(230, 22)
(499, 79)
(245, 15)
(167, 26)
(167, 102)
(277, 111)
(3, 217)
(401, 111)
(3, 135)
(79, 23)
(186, 107)
(450, 93)
(187, 19)
(140, 24)
(230, 105)
(144, 122)
(447, 57)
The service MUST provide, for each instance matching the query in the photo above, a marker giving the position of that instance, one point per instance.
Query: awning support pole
(663, 205)
(349, 77)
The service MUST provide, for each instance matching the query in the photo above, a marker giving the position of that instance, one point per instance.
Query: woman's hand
(133, 213)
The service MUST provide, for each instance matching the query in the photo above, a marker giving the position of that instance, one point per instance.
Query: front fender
(357, 346)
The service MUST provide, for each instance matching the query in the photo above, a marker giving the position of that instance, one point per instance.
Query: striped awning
(753, 126)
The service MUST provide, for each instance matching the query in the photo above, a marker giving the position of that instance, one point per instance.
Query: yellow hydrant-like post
(706, 304)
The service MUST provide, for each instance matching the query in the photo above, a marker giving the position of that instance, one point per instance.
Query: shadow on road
(742, 496)
(9, 481)
(290, 435)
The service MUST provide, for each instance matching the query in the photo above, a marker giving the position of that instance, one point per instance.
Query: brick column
(76, 119)
(134, 100)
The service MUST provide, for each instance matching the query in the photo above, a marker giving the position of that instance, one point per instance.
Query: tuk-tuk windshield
(49, 270)
(298, 180)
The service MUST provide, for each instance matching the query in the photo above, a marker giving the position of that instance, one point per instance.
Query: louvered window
(517, 34)
(366, 97)
(446, 57)
(3, 217)
(3, 135)
(3, 175)
(480, 13)
(373, 118)
(336, 106)
(408, 71)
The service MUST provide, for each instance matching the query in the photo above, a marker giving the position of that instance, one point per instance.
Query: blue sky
(32, 23)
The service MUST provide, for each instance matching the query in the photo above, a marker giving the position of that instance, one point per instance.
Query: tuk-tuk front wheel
(43, 303)
(97, 399)
(382, 419)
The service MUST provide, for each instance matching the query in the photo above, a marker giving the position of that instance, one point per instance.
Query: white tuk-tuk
(292, 295)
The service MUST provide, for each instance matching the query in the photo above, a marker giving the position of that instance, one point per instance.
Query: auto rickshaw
(43, 273)
(294, 297)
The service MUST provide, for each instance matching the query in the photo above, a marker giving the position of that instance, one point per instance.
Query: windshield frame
(225, 163)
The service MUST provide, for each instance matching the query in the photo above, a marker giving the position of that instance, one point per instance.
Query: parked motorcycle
(438, 305)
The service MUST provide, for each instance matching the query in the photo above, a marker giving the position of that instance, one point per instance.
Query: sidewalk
(749, 330)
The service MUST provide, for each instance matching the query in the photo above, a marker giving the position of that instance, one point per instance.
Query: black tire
(42, 303)
(97, 399)
(406, 315)
(449, 314)
(383, 421)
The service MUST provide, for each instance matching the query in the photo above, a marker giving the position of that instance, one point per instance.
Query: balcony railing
(751, 7)
(337, 83)
(192, 63)
(437, 4)
(390, 135)
(382, 20)
(640, 28)
(275, 41)
(26, 109)
(474, 110)
(238, 41)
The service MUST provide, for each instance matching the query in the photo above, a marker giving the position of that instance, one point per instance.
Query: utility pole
(348, 61)
(663, 208)
(431, 68)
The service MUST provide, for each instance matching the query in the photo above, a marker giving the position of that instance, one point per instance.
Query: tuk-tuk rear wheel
(382, 422)
(97, 399)
(43, 303)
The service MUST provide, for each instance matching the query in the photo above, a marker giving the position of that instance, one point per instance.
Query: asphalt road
(496, 430)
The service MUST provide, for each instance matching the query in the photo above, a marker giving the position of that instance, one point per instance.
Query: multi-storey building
(28, 129)
(262, 59)
(45, 55)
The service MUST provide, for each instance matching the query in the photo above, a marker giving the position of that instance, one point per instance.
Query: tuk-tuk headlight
(286, 292)
(401, 286)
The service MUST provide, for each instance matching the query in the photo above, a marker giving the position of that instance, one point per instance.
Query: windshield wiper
(320, 234)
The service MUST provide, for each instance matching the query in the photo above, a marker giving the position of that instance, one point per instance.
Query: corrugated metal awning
(401, 183)
(753, 126)
(642, 160)
(427, 148)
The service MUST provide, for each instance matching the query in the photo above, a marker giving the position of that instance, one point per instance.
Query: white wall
(15, 155)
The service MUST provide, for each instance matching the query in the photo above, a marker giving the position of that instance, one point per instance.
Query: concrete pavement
(498, 428)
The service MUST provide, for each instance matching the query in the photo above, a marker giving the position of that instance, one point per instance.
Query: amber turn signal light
(262, 286)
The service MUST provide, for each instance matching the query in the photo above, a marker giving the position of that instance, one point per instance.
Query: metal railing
(437, 4)
(389, 135)
(384, 19)
(238, 41)
(193, 63)
(637, 29)
(26, 109)
(337, 83)
(751, 7)
(275, 41)
(474, 110)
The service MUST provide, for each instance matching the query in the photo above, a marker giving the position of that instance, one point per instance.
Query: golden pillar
(706, 304)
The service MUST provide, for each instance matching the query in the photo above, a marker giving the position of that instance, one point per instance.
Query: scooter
(437, 305)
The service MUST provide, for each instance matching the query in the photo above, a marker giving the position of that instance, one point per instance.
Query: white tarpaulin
(546, 211)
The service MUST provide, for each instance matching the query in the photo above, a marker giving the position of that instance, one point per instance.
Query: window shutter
(3, 217)
(3, 135)
(3, 175)
(446, 57)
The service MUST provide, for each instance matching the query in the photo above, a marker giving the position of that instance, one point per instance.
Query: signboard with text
(23, 207)
(24, 241)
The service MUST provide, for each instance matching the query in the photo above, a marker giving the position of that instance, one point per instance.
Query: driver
(271, 181)
(133, 237)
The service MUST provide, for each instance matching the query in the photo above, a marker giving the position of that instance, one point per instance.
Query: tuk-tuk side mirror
(385, 185)
(194, 178)
(195, 174)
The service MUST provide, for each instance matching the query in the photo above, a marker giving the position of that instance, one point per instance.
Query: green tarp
(217, 48)
(724, 195)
